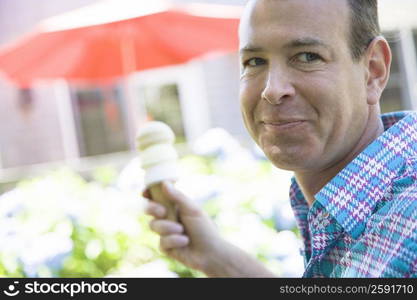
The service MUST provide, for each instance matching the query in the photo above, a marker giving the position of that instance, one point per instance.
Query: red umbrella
(104, 52)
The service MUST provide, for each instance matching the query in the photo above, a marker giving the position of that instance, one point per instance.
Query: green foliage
(93, 229)
(105, 175)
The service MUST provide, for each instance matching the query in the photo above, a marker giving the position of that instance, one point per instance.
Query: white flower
(47, 250)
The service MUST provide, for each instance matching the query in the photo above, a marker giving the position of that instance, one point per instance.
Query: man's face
(303, 97)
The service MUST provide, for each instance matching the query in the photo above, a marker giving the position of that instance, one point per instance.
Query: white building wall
(221, 76)
(29, 134)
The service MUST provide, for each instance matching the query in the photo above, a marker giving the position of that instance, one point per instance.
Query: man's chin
(294, 162)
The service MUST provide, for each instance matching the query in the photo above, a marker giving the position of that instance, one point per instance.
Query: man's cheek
(247, 109)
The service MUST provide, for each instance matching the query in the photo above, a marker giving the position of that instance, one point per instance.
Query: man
(312, 74)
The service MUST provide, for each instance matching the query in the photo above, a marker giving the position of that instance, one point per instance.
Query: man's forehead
(294, 22)
(250, 4)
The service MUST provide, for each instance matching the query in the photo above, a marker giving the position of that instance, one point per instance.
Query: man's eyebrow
(304, 42)
(297, 43)
(250, 48)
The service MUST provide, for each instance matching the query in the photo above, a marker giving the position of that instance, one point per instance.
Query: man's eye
(254, 62)
(308, 57)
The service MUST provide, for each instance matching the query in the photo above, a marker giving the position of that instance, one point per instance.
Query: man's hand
(195, 241)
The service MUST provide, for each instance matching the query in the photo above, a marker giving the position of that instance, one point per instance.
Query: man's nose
(278, 88)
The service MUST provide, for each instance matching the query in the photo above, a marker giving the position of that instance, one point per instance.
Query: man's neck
(311, 183)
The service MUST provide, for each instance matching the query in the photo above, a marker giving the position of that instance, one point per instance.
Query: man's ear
(378, 62)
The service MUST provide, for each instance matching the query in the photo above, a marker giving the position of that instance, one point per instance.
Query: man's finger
(166, 227)
(155, 209)
(174, 241)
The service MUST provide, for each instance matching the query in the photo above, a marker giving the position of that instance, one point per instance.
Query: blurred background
(79, 77)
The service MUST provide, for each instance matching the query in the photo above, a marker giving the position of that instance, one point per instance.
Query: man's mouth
(282, 125)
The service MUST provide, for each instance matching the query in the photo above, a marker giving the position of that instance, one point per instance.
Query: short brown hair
(364, 25)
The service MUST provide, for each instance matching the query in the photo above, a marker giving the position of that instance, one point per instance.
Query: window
(100, 121)
(415, 40)
(162, 104)
(25, 97)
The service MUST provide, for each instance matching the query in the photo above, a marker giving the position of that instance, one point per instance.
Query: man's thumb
(185, 205)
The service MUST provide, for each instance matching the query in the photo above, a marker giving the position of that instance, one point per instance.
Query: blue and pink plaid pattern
(364, 221)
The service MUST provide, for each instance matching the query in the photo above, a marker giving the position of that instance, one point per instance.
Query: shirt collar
(352, 195)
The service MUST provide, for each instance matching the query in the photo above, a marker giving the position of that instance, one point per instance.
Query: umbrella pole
(130, 111)
(135, 114)
(67, 121)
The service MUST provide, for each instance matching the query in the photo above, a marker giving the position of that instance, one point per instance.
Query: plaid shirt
(364, 221)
